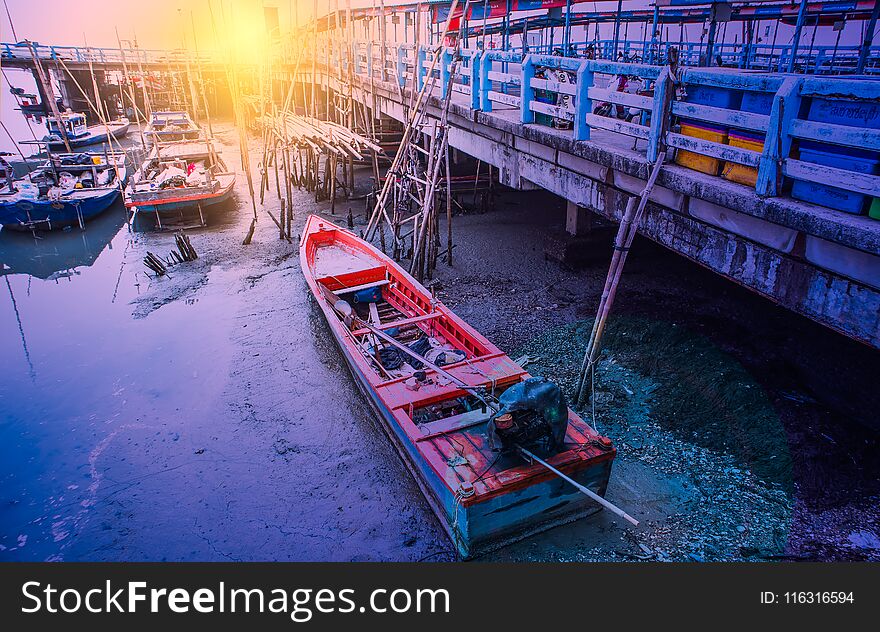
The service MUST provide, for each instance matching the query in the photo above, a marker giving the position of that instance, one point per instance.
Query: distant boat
(178, 176)
(461, 451)
(29, 104)
(65, 190)
(79, 134)
(170, 125)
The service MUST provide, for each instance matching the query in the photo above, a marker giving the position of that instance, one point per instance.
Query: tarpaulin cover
(498, 8)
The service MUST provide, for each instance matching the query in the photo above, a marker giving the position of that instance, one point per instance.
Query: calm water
(77, 368)
(202, 416)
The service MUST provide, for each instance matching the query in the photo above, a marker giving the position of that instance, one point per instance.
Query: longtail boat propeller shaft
(609, 506)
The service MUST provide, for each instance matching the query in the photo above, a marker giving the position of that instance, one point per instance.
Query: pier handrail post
(777, 145)
(485, 84)
(401, 67)
(653, 57)
(661, 113)
(583, 105)
(527, 92)
(383, 50)
(475, 80)
(865, 48)
(421, 58)
(370, 59)
(445, 61)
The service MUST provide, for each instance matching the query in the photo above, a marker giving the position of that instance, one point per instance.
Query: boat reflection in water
(58, 254)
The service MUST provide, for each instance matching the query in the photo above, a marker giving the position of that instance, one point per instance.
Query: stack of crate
(716, 97)
(839, 112)
(759, 103)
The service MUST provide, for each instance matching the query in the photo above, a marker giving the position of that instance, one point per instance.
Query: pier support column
(578, 220)
(585, 241)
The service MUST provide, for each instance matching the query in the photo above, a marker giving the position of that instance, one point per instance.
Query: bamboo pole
(147, 103)
(137, 112)
(50, 95)
(111, 137)
(232, 78)
(626, 233)
(314, 59)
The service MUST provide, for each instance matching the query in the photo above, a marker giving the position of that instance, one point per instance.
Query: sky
(155, 23)
(163, 24)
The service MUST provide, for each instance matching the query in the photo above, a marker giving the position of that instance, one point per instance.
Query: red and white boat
(178, 176)
(443, 415)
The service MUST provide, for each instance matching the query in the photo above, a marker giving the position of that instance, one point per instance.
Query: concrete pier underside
(818, 262)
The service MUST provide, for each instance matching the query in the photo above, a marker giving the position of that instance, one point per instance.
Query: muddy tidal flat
(209, 416)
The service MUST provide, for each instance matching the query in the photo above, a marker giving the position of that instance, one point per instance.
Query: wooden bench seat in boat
(400, 323)
(475, 372)
(472, 418)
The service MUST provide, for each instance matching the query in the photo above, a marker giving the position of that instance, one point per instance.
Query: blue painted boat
(453, 442)
(79, 134)
(65, 190)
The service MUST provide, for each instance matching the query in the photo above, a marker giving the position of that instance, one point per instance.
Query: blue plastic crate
(725, 98)
(833, 197)
(716, 97)
(841, 112)
(758, 102)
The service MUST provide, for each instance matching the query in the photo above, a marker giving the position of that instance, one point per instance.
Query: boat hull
(181, 204)
(483, 527)
(92, 138)
(45, 215)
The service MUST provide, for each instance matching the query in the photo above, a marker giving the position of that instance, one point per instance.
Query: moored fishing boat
(79, 134)
(170, 125)
(462, 415)
(179, 176)
(65, 190)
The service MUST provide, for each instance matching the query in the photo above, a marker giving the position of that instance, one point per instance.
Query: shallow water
(201, 416)
(81, 368)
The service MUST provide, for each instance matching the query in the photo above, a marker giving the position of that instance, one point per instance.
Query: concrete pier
(821, 263)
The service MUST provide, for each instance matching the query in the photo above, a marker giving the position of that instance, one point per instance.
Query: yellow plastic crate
(698, 162)
(736, 172)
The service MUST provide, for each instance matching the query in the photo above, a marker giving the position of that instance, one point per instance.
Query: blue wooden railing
(822, 59)
(85, 54)
(503, 79)
(511, 80)
(533, 85)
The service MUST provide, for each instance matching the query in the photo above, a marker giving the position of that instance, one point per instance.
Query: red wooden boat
(484, 497)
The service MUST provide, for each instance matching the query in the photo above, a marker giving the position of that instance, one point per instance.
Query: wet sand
(208, 416)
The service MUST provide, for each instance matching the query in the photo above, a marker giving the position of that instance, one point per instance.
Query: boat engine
(532, 411)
